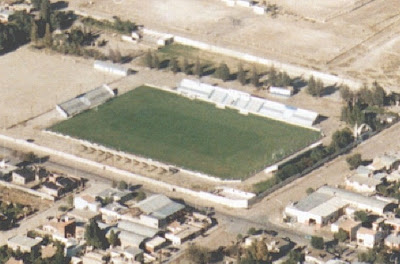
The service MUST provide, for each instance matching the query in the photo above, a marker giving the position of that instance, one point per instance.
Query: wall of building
(27, 190)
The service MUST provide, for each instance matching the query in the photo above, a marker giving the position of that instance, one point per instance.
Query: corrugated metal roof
(137, 228)
(159, 206)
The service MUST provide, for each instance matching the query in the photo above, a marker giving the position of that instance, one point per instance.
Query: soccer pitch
(191, 134)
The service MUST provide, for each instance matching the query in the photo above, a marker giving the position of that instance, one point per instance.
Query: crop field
(190, 134)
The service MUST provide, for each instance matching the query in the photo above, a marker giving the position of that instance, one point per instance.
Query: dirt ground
(331, 36)
(33, 82)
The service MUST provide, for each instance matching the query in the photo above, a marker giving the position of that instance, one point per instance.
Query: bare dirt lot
(33, 82)
(324, 35)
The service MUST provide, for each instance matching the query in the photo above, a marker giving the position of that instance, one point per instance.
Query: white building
(362, 184)
(23, 243)
(86, 202)
(111, 68)
(328, 203)
(368, 238)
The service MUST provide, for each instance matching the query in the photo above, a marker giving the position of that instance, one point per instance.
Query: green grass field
(189, 134)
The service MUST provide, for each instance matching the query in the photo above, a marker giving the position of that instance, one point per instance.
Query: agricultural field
(191, 134)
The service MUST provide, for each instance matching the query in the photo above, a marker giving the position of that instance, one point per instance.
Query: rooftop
(24, 241)
(159, 206)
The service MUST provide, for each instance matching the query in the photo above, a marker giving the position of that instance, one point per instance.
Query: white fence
(233, 203)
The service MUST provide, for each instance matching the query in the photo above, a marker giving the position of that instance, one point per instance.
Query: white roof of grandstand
(90, 99)
(159, 206)
(244, 101)
(137, 228)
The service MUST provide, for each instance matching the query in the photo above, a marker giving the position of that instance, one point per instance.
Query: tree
(310, 190)
(198, 254)
(140, 196)
(241, 74)
(113, 239)
(346, 94)
(48, 38)
(255, 79)
(198, 68)
(251, 231)
(45, 10)
(361, 216)
(122, 185)
(354, 161)
(379, 94)
(341, 235)
(317, 242)
(34, 32)
(36, 4)
(156, 62)
(173, 64)
(272, 76)
(94, 236)
(148, 59)
(311, 86)
(223, 72)
(295, 256)
(341, 139)
(185, 66)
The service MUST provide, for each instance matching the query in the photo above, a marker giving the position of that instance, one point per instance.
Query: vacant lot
(190, 134)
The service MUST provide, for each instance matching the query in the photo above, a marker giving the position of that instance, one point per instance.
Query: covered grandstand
(246, 103)
(85, 101)
(110, 67)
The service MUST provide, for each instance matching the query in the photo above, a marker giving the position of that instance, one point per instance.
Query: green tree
(148, 59)
(317, 242)
(354, 161)
(48, 38)
(362, 216)
(198, 255)
(311, 86)
(113, 239)
(272, 76)
(173, 64)
(45, 10)
(341, 139)
(222, 72)
(122, 185)
(36, 4)
(346, 94)
(140, 196)
(295, 257)
(34, 32)
(252, 231)
(94, 236)
(341, 236)
(255, 79)
(156, 62)
(241, 74)
(379, 94)
(198, 68)
(310, 190)
(185, 66)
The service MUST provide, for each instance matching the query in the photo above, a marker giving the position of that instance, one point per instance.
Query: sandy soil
(33, 82)
(324, 35)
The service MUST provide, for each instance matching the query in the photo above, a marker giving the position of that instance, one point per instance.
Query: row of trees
(315, 87)
(118, 25)
(340, 139)
(362, 106)
(222, 71)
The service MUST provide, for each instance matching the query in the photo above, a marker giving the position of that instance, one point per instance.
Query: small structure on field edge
(110, 67)
(85, 101)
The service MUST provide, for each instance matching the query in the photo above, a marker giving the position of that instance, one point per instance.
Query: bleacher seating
(86, 101)
(246, 103)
